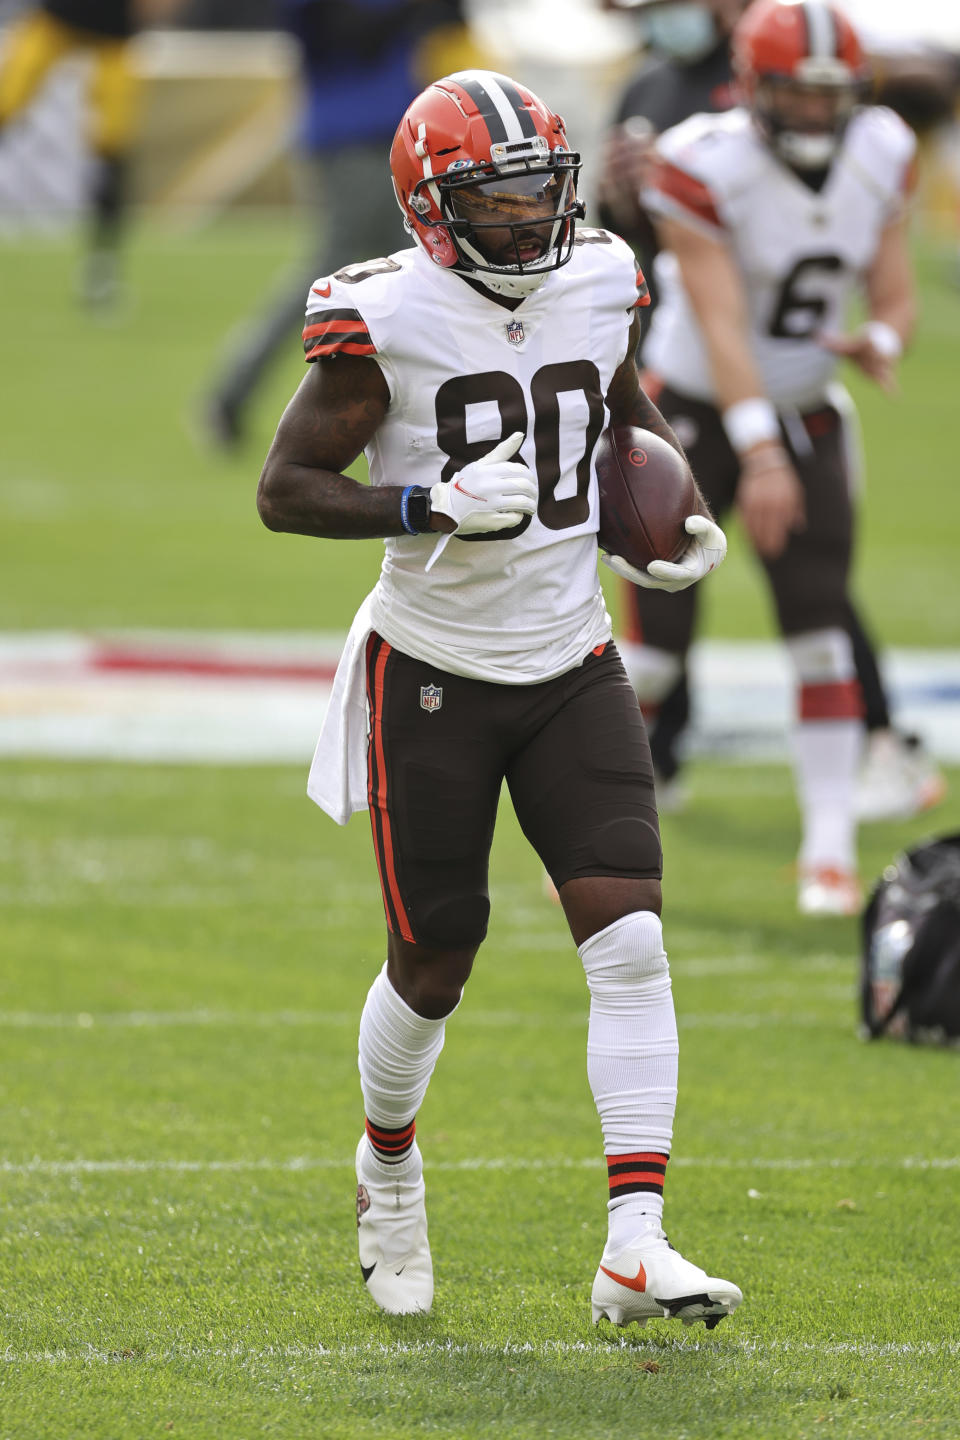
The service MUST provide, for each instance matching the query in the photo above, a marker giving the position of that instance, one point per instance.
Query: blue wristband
(404, 508)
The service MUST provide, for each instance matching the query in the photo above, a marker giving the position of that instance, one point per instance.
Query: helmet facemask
(511, 220)
(803, 116)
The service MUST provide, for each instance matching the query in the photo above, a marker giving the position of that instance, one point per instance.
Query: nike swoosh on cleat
(367, 1270)
(401, 1270)
(323, 290)
(638, 1282)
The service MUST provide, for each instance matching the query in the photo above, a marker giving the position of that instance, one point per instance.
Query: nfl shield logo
(431, 697)
(515, 332)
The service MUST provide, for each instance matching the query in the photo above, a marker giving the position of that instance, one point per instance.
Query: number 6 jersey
(802, 252)
(464, 372)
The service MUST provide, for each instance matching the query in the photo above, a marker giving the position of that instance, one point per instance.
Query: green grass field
(186, 951)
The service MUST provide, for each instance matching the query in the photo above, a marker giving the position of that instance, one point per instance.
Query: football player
(688, 69)
(773, 216)
(476, 371)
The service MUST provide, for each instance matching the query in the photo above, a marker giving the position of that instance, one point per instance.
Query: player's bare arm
(769, 494)
(335, 412)
(878, 344)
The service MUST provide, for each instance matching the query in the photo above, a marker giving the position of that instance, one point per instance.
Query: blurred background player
(774, 215)
(688, 70)
(41, 39)
(362, 63)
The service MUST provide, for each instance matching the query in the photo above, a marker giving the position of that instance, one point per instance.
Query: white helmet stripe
(499, 103)
(821, 30)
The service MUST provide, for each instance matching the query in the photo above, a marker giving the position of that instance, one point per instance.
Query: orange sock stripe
(835, 700)
(638, 1177)
(393, 1133)
(643, 1171)
(389, 1141)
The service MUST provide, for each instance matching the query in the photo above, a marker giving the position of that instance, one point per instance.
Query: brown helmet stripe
(503, 111)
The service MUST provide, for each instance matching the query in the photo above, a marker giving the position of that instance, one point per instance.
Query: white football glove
(489, 494)
(704, 553)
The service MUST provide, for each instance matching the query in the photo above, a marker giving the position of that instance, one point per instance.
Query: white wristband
(749, 422)
(884, 339)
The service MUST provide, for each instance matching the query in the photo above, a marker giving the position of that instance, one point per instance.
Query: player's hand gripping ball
(651, 521)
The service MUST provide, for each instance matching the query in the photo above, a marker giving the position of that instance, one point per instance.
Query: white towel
(338, 775)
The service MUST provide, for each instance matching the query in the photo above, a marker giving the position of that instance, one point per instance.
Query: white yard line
(505, 1163)
(544, 1349)
(333, 1019)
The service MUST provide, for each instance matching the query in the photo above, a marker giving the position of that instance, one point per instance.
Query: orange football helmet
(801, 70)
(486, 180)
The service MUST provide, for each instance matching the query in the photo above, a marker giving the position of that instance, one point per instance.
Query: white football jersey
(464, 372)
(802, 253)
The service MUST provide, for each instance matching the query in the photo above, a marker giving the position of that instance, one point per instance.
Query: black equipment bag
(910, 983)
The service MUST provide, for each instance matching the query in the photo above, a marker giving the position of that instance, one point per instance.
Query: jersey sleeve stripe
(331, 332)
(340, 347)
(335, 327)
(686, 191)
(643, 292)
(330, 312)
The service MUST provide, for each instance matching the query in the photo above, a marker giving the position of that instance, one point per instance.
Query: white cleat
(392, 1234)
(898, 778)
(649, 1280)
(827, 890)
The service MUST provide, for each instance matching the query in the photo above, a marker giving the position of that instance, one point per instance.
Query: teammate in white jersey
(476, 371)
(773, 216)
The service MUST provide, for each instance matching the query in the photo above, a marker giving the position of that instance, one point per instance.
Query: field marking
(239, 698)
(545, 1349)
(301, 1163)
(483, 1019)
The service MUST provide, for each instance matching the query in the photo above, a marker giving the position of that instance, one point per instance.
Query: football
(647, 491)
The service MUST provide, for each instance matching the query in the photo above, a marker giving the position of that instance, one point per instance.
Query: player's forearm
(891, 298)
(899, 315)
(749, 418)
(303, 489)
(299, 500)
(733, 369)
(715, 291)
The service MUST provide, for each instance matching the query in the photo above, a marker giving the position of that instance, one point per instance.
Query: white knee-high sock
(652, 672)
(397, 1052)
(632, 1054)
(826, 743)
